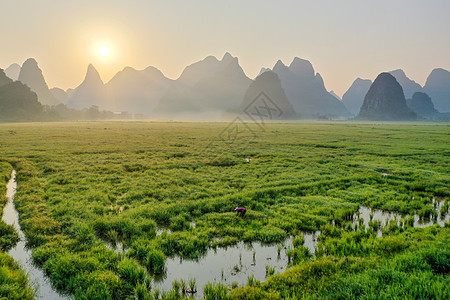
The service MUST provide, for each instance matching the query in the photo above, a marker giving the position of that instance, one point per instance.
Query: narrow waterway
(21, 254)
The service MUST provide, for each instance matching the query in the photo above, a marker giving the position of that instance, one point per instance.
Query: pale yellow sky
(342, 39)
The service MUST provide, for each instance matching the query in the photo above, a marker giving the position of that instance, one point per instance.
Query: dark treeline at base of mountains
(18, 103)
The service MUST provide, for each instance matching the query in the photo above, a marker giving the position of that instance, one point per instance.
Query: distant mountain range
(205, 90)
(422, 105)
(354, 97)
(215, 89)
(17, 101)
(265, 98)
(90, 92)
(385, 101)
(60, 95)
(137, 91)
(306, 91)
(13, 71)
(31, 75)
(409, 86)
(437, 87)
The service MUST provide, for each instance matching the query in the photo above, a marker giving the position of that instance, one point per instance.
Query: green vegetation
(13, 281)
(82, 186)
(8, 236)
(17, 101)
(412, 265)
(19, 104)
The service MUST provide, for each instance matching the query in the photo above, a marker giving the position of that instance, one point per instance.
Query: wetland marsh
(165, 192)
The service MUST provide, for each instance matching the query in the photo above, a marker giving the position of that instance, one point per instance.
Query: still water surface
(21, 254)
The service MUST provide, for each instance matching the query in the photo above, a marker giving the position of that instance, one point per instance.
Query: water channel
(21, 254)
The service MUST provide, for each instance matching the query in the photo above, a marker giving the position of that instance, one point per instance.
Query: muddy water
(21, 254)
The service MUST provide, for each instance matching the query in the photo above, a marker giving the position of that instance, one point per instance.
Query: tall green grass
(84, 185)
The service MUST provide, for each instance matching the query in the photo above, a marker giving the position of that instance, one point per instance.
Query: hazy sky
(343, 39)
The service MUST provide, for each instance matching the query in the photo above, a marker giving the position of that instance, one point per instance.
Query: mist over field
(219, 90)
(224, 150)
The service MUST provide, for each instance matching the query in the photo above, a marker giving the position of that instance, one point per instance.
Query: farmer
(240, 211)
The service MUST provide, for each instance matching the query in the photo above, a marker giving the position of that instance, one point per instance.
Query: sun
(104, 51)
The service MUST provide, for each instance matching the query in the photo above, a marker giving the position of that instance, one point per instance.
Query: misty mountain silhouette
(31, 75)
(438, 88)
(60, 95)
(4, 80)
(211, 88)
(263, 70)
(91, 91)
(17, 101)
(306, 90)
(13, 71)
(354, 97)
(409, 86)
(137, 91)
(332, 93)
(265, 96)
(385, 101)
(205, 90)
(421, 104)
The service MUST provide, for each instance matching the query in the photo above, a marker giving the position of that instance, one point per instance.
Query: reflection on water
(311, 240)
(160, 231)
(117, 247)
(226, 265)
(441, 220)
(366, 214)
(21, 254)
(232, 264)
(236, 263)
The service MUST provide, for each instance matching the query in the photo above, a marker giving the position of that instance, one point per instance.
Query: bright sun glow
(104, 51)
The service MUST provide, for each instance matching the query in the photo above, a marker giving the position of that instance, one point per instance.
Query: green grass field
(81, 185)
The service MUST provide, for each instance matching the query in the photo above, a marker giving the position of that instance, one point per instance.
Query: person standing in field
(240, 211)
